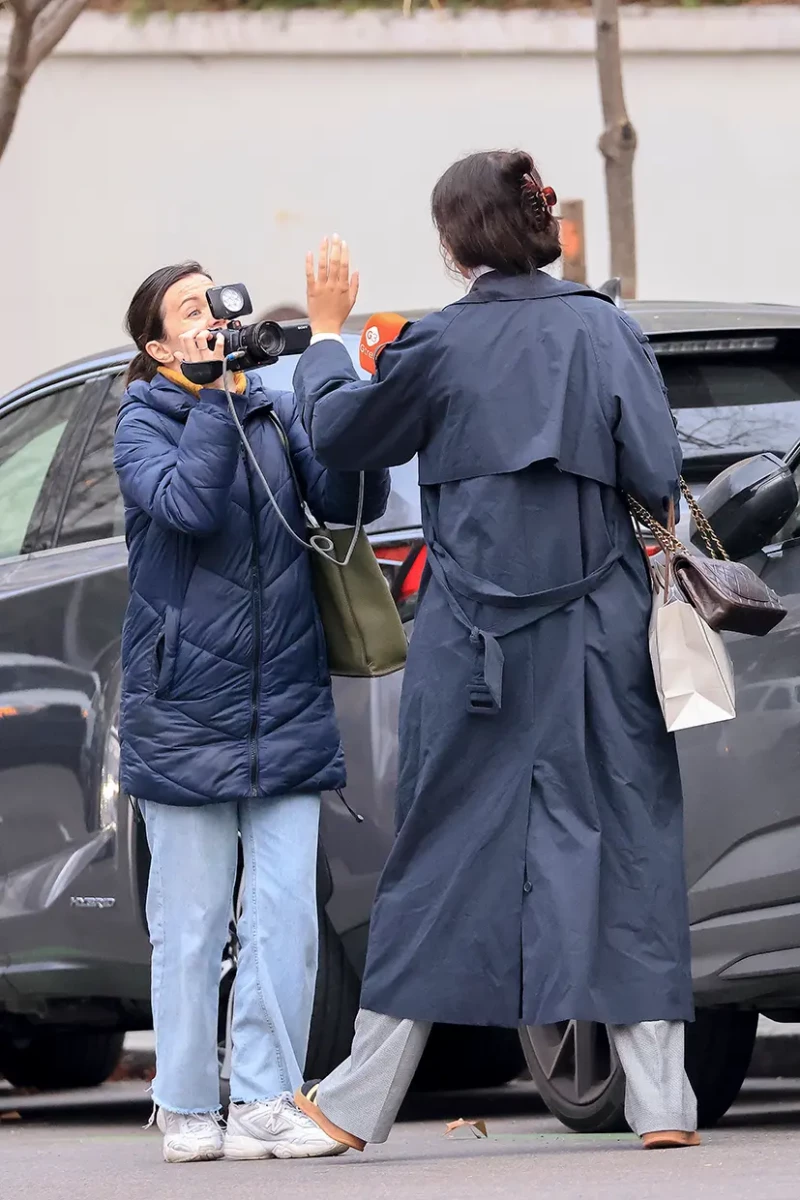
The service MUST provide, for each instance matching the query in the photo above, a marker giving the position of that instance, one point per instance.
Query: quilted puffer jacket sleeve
(185, 486)
(332, 495)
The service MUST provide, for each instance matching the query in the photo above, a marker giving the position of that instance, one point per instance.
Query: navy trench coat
(537, 874)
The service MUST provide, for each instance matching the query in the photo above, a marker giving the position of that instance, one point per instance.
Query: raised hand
(331, 288)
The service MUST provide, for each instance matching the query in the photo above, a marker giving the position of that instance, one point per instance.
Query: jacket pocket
(165, 653)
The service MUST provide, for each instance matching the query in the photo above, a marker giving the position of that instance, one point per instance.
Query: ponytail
(141, 367)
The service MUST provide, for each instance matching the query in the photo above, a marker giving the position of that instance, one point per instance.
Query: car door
(34, 434)
(68, 906)
(743, 804)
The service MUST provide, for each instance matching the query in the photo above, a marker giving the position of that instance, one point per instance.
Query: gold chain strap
(713, 544)
(667, 540)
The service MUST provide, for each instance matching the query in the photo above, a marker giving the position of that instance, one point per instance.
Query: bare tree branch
(15, 76)
(51, 25)
(617, 145)
(38, 26)
(37, 6)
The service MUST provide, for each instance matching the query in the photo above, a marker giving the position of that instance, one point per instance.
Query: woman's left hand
(331, 289)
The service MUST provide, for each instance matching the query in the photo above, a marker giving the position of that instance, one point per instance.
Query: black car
(74, 955)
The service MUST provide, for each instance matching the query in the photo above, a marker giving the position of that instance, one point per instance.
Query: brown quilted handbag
(727, 595)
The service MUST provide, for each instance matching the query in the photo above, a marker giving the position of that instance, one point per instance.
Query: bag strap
(713, 544)
(320, 543)
(665, 536)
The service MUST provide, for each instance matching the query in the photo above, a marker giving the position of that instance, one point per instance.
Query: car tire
(50, 1059)
(335, 1005)
(719, 1046)
(460, 1057)
(333, 1017)
(578, 1075)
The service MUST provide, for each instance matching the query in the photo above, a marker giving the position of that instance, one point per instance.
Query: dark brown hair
(144, 319)
(491, 210)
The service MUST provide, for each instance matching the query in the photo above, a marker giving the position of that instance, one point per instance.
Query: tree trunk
(38, 27)
(618, 147)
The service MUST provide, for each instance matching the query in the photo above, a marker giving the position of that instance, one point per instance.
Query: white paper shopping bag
(692, 668)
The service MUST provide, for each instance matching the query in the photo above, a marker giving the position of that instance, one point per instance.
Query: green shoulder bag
(363, 630)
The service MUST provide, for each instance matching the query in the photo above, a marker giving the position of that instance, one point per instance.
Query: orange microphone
(379, 330)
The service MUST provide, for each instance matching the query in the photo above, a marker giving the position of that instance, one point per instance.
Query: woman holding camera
(228, 727)
(537, 876)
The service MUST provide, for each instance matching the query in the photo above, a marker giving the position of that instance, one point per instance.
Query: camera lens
(265, 339)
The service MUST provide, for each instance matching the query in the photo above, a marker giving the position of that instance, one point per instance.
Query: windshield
(403, 509)
(729, 406)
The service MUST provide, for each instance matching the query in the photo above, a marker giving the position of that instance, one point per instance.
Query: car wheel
(719, 1046)
(50, 1059)
(460, 1057)
(577, 1073)
(335, 1005)
(333, 1017)
(576, 1070)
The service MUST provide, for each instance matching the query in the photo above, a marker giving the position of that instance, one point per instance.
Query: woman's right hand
(195, 349)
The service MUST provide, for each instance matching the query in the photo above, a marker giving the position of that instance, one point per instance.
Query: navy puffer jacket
(225, 692)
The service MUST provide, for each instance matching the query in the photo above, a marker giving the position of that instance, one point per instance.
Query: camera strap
(318, 542)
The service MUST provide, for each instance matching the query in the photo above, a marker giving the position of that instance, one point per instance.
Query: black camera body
(246, 346)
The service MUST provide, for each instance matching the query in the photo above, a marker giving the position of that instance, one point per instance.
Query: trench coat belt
(485, 691)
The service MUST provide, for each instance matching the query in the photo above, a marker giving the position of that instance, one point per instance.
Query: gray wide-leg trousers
(363, 1095)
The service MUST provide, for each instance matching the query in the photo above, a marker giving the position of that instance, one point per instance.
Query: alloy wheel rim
(576, 1058)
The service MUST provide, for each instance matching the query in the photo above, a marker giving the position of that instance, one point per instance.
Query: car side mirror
(747, 503)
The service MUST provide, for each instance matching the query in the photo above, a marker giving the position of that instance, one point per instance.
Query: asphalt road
(91, 1146)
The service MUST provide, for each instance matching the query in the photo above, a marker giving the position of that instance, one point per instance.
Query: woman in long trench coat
(537, 874)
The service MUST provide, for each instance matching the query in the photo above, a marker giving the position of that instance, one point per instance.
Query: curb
(776, 1056)
(135, 1064)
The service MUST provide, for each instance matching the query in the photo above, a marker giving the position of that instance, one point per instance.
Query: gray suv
(74, 956)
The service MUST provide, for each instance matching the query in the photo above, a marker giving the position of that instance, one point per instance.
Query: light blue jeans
(189, 910)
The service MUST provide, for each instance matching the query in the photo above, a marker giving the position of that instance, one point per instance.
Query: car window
(94, 509)
(778, 700)
(729, 405)
(403, 509)
(29, 440)
(749, 697)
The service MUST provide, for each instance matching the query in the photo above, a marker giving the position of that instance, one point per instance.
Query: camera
(250, 346)
(256, 345)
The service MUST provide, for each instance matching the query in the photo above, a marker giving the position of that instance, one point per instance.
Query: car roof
(659, 319)
(671, 317)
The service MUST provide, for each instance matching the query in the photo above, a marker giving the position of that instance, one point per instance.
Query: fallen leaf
(478, 1127)
(11, 1116)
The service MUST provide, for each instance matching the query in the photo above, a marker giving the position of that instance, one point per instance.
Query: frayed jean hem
(187, 1112)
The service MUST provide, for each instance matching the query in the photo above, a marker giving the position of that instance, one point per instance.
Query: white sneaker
(275, 1129)
(190, 1137)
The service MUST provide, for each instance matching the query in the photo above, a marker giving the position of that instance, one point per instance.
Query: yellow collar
(239, 381)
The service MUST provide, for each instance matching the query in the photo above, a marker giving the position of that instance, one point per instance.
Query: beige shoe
(670, 1139)
(306, 1100)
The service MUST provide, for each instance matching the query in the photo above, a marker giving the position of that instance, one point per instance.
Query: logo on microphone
(371, 336)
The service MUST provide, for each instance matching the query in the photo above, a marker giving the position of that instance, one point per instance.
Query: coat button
(528, 888)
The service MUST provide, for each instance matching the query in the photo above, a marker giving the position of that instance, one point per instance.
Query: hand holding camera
(331, 289)
(235, 346)
(204, 349)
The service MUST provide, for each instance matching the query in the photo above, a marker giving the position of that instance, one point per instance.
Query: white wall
(241, 139)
